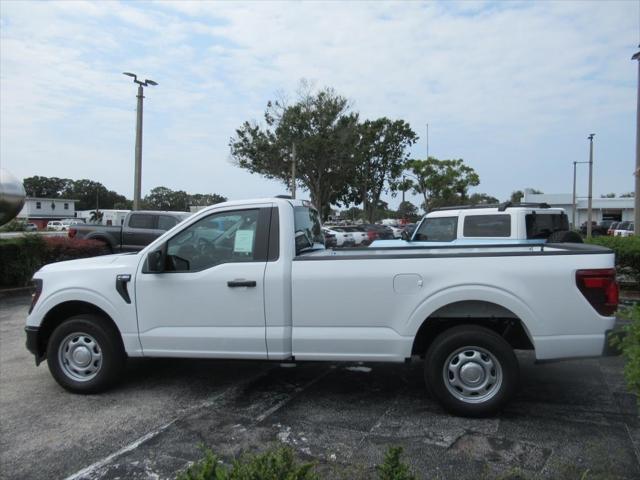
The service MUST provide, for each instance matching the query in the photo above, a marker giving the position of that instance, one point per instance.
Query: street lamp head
(590, 137)
(150, 82)
(129, 74)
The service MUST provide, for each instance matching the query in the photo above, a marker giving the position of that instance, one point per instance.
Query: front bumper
(32, 343)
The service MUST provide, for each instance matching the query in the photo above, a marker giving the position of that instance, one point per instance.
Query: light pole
(573, 203)
(590, 198)
(137, 183)
(293, 171)
(637, 170)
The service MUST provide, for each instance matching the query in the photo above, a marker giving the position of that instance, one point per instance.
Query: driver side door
(209, 299)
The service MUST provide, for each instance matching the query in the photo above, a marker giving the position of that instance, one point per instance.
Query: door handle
(241, 283)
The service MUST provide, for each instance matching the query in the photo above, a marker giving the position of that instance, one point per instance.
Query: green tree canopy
(325, 133)
(516, 196)
(482, 199)
(408, 210)
(163, 198)
(379, 161)
(88, 193)
(441, 182)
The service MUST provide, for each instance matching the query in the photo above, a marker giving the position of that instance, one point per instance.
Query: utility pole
(637, 170)
(573, 201)
(403, 186)
(427, 141)
(590, 198)
(137, 182)
(293, 171)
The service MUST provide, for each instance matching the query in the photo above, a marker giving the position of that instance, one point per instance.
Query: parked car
(612, 228)
(377, 232)
(329, 239)
(30, 227)
(396, 230)
(360, 237)
(138, 230)
(597, 229)
(343, 239)
(266, 288)
(55, 225)
(624, 229)
(491, 224)
(408, 230)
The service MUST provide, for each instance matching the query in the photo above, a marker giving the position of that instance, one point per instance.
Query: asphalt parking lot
(568, 417)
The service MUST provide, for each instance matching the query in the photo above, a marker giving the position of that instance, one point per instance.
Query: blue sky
(513, 88)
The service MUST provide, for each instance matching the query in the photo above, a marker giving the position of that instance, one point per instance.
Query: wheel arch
(64, 310)
(492, 308)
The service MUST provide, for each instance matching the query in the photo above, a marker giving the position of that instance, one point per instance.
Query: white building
(109, 216)
(41, 210)
(617, 209)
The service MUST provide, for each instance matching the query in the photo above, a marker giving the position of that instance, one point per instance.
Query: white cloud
(516, 84)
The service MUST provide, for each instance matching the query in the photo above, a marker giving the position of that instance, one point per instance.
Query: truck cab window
(437, 229)
(166, 223)
(141, 220)
(487, 226)
(223, 237)
(307, 225)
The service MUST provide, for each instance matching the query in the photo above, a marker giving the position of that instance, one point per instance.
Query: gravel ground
(568, 417)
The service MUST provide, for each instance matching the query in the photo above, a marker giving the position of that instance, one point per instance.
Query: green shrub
(280, 464)
(14, 225)
(629, 343)
(627, 251)
(22, 256)
(277, 464)
(392, 468)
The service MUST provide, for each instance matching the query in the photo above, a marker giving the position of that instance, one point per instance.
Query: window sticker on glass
(243, 242)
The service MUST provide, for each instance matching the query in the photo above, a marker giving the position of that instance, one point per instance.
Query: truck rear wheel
(85, 355)
(472, 371)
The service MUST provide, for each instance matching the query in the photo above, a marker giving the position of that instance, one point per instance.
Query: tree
(205, 199)
(441, 182)
(482, 199)
(45, 187)
(163, 198)
(353, 214)
(380, 157)
(88, 193)
(628, 195)
(608, 195)
(408, 210)
(516, 196)
(96, 216)
(324, 131)
(537, 192)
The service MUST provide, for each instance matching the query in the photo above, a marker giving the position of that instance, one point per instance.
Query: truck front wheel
(85, 355)
(472, 371)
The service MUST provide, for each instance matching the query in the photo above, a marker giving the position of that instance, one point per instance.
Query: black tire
(98, 343)
(455, 344)
(564, 236)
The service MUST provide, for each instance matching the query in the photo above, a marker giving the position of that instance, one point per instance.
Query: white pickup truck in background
(252, 280)
(490, 224)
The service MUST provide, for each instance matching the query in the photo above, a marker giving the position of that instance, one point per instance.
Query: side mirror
(156, 260)
(302, 242)
(405, 235)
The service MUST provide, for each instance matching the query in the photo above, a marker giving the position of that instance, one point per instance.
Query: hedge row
(21, 257)
(627, 253)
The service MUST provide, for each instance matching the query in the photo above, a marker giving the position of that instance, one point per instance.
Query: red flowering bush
(21, 257)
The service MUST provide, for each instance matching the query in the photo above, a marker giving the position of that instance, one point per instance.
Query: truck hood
(120, 259)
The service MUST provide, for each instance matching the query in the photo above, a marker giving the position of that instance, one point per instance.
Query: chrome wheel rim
(80, 356)
(472, 374)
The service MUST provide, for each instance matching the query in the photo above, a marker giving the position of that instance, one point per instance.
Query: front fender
(122, 314)
(472, 292)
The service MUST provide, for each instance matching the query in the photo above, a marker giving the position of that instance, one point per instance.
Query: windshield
(307, 223)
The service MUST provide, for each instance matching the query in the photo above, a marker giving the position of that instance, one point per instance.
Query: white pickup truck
(252, 280)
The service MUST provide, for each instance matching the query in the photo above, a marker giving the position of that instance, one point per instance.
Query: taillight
(600, 288)
(72, 232)
(37, 283)
(372, 235)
